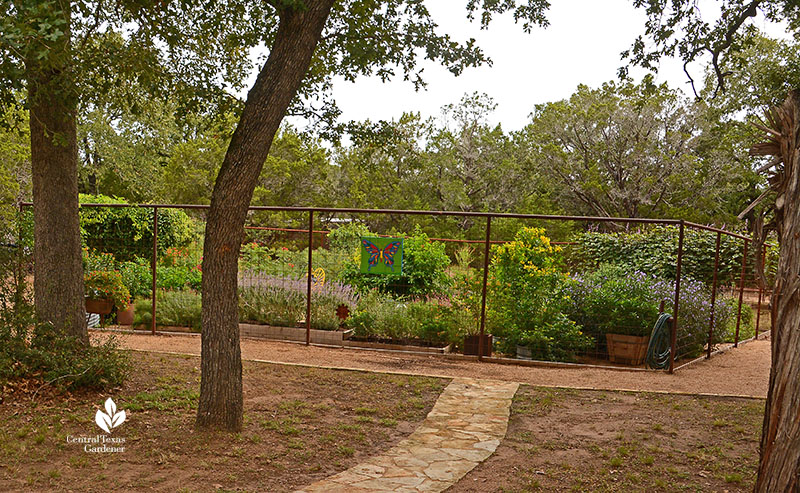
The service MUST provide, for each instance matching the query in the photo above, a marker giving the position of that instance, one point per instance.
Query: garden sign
(381, 255)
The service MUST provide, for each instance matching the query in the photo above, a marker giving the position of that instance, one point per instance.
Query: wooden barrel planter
(627, 350)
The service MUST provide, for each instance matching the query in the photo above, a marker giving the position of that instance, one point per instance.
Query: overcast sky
(581, 45)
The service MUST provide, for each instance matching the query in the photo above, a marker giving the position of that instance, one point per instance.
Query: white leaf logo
(111, 418)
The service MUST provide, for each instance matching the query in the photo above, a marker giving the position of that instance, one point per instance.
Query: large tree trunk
(221, 374)
(779, 466)
(58, 281)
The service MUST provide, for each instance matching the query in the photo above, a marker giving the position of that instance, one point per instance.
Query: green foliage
(137, 276)
(424, 270)
(107, 285)
(381, 317)
(526, 300)
(615, 299)
(174, 308)
(127, 232)
(38, 351)
(558, 339)
(281, 301)
(347, 237)
(655, 251)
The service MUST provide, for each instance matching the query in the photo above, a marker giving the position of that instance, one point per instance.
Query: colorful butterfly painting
(382, 255)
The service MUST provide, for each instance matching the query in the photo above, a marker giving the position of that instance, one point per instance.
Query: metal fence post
(741, 295)
(486, 247)
(674, 335)
(713, 297)
(153, 271)
(761, 287)
(308, 281)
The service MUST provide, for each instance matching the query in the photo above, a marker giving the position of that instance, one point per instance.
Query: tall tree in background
(65, 55)
(619, 151)
(314, 40)
(699, 40)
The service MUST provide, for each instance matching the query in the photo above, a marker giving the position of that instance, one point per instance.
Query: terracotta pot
(628, 350)
(471, 345)
(125, 317)
(102, 307)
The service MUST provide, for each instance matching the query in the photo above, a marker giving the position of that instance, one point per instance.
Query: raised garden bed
(330, 337)
(416, 346)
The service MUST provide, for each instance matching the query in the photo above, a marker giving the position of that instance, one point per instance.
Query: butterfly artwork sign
(381, 255)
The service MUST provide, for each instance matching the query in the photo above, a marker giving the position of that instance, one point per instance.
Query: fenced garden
(541, 288)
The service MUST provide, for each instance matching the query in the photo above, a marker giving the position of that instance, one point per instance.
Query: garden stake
(487, 244)
(153, 269)
(308, 283)
(674, 340)
(741, 295)
(713, 297)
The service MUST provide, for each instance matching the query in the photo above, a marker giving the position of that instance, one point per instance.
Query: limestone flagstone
(464, 428)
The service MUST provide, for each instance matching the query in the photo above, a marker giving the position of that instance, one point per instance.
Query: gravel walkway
(742, 371)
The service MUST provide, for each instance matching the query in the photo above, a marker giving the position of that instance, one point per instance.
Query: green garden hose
(659, 350)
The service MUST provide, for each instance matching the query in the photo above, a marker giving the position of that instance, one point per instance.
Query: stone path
(464, 428)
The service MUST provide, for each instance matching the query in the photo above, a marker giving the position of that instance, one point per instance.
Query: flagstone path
(464, 428)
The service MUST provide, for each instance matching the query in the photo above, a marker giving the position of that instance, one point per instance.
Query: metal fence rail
(676, 339)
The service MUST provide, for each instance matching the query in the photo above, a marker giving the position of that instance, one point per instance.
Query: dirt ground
(600, 441)
(300, 425)
(743, 371)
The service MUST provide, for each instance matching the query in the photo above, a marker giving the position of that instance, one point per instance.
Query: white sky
(581, 45)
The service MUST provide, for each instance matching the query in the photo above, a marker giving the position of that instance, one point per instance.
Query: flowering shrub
(526, 298)
(613, 299)
(282, 301)
(107, 285)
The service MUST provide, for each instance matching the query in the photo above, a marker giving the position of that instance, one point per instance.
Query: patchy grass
(567, 440)
(300, 425)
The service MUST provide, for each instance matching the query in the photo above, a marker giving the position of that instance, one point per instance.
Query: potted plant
(105, 291)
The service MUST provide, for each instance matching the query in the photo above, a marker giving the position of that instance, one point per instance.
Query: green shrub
(655, 251)
(424, 270)
(347, 237)
(127, 232)
(525, 299)
(45, 354)
(379, 316)
(137, 276)
(173, 308)
(613, 299)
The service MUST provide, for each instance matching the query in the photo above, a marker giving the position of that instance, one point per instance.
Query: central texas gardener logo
(110, 419)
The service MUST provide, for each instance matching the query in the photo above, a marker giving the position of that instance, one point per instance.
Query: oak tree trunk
(58, 281)
(779, 465)
(299, 31)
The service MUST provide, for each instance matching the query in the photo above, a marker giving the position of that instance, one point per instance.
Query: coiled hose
(659, 349)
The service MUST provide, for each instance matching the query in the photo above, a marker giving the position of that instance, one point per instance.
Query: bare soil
(301, 425)
(743, 371)
(600, 441)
